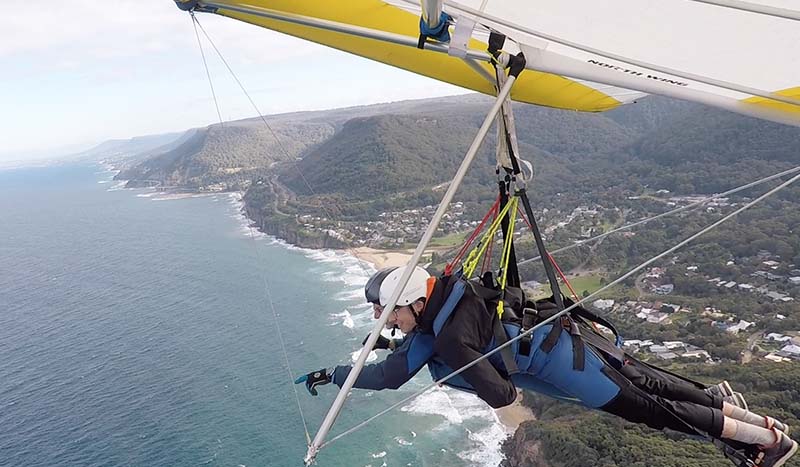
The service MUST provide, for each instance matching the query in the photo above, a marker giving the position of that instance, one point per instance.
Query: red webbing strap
(553, 262)
(487, 257)
(448, 269)
(563, 277)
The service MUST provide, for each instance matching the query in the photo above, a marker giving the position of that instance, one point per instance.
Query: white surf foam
(458, 407)
(179, 196)
(402, 442)
(345, 318)
(370, 358)
(350, 295)
(120, 185)
(486, 451)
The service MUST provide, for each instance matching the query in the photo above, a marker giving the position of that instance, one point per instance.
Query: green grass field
(452, 240)
(589, 283)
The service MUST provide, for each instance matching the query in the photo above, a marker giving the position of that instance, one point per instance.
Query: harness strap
(449, 305)
(529, 318)
(578, 349)
(500, 338)
(552, 337)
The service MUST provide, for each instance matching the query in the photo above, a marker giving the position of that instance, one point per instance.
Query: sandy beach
(383, 258)
(513, 415)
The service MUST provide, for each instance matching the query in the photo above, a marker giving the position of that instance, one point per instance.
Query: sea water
(143, 329)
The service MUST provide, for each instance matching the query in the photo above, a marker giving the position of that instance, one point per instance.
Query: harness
(522, 315)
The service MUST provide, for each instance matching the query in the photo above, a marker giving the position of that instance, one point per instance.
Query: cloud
(88, 31)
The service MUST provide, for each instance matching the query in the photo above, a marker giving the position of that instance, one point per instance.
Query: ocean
(142, 329)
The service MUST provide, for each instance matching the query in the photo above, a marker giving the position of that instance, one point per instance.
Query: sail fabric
(747, 49)
(532, 87)
(752, 51)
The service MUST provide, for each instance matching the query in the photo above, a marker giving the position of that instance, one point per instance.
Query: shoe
(777, 424)
(736, 399)
(739, 453)
(776, 454)
(722, 389)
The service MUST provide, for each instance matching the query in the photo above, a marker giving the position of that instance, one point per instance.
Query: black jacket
(466, 336)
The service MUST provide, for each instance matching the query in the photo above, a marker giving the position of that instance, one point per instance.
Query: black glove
(314, 379)
(383, 343)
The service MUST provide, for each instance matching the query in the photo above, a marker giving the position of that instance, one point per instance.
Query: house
(697, 354)
(777, 296)
(740, 326)
(791, 349)
(658, 349)
(657, 318)
(730, 284)
(770, 263)
(794, 280)
(664, 289)
(773, 336)
(671, 345)
(667, 355)
(655, 273)
(777, 358)
(603, 305)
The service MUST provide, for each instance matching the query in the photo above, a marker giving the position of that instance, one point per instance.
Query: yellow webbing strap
(475, 255)
(513, 202)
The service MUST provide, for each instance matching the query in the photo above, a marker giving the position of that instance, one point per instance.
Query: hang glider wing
(581, 54)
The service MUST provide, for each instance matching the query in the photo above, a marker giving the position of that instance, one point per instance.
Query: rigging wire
(262, 261)
(277, 140)
(268, 296)
(668, 213)
(567, 309)
(195, 23)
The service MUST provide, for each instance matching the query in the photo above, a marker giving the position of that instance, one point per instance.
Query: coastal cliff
(522, 450)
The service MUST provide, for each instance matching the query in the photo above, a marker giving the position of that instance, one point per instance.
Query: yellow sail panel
(780, 106)
(532, 87)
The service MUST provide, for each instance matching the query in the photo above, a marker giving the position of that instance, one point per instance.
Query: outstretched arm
(399, 366)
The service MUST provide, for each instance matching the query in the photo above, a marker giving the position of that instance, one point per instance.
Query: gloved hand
(383, 343)
(314, 379)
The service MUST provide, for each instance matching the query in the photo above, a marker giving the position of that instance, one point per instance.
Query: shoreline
(381, 258)
(512, 416)
(508, 419)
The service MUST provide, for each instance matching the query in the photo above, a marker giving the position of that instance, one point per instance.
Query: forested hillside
(565, 435)
(226, 157)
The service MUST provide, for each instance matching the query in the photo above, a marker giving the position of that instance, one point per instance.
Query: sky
(76, 73)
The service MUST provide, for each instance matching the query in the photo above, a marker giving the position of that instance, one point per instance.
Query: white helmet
(416, 288)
